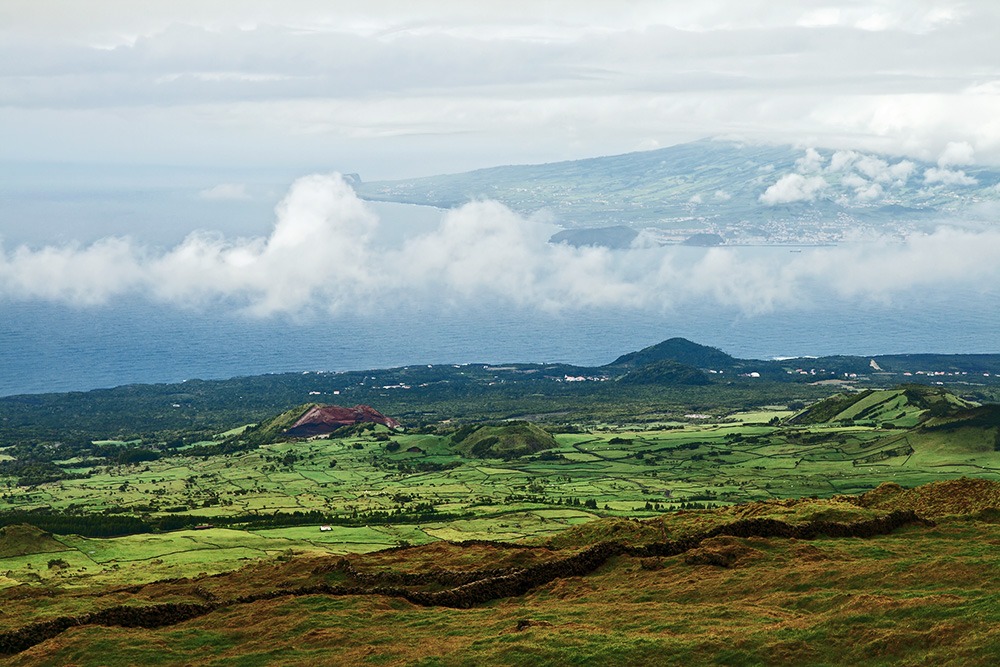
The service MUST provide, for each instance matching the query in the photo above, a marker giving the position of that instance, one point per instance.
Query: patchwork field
(856, 530)
(378, 489)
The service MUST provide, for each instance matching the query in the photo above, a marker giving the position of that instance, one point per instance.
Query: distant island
(743, 193)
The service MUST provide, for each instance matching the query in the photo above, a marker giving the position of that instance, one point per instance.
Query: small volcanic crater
(324, 419)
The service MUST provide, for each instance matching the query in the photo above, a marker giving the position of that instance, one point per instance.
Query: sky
(397, 89)
(187, 151)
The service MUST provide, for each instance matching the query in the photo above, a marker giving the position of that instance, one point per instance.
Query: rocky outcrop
(126, 616)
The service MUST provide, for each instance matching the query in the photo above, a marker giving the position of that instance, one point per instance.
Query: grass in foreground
(916, 596)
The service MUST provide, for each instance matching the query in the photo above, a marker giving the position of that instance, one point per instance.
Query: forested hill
(680, 350)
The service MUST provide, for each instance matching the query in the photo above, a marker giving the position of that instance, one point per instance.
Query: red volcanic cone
(324, 419)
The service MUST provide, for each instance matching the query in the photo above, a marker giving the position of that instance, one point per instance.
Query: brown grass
(922, 595)
(937, 499)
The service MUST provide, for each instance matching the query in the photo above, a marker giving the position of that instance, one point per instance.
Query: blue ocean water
(46, 347)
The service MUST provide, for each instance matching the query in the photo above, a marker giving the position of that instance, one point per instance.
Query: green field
(260, 549)
(377, 490)
(910, 594)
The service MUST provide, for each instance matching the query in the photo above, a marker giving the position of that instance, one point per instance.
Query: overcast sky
(395, 89)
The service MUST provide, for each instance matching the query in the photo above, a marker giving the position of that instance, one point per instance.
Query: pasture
(378, 490)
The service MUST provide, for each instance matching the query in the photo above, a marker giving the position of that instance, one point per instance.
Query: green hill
(776, 582)
(972, 431)
(504, 441)
(665, 372)
(982, 416)
(272, 430)
(681, 351)
(22, 539)
(903, 407)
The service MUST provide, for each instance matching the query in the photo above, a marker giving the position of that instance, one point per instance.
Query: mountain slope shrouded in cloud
(748, 192)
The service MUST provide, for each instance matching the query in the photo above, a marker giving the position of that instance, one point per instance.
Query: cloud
(793, 188)
(956, 153)
(864, 190)
(322, 255)
(869, 192)
(872, 167)
(182, 81)
(82, 276)
(867, 175)
(318, 252)
(884, 268)
(842, 160)
(881, 171)
(853, 180)
(225, 192)
(948, 177)
(810, 163)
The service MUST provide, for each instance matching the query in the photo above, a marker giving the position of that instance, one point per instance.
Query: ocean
(54, 348)
(50, 347)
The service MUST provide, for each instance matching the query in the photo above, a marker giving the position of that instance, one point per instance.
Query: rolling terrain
(888, 577)
(675, 502)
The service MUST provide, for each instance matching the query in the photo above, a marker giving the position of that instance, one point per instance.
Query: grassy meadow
(914, 596)
(379, 489)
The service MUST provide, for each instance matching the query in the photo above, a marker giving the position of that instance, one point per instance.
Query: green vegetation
(681, 351)
(500, 481)
(618, 475)
(503, 441)
(903, 407)
(664, 372)
(167, 417)
(269, 430)
(23, 539)
(710, 587)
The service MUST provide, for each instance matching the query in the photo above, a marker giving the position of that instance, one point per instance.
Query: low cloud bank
(793, 188)
(322, 255)
(226, 191)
